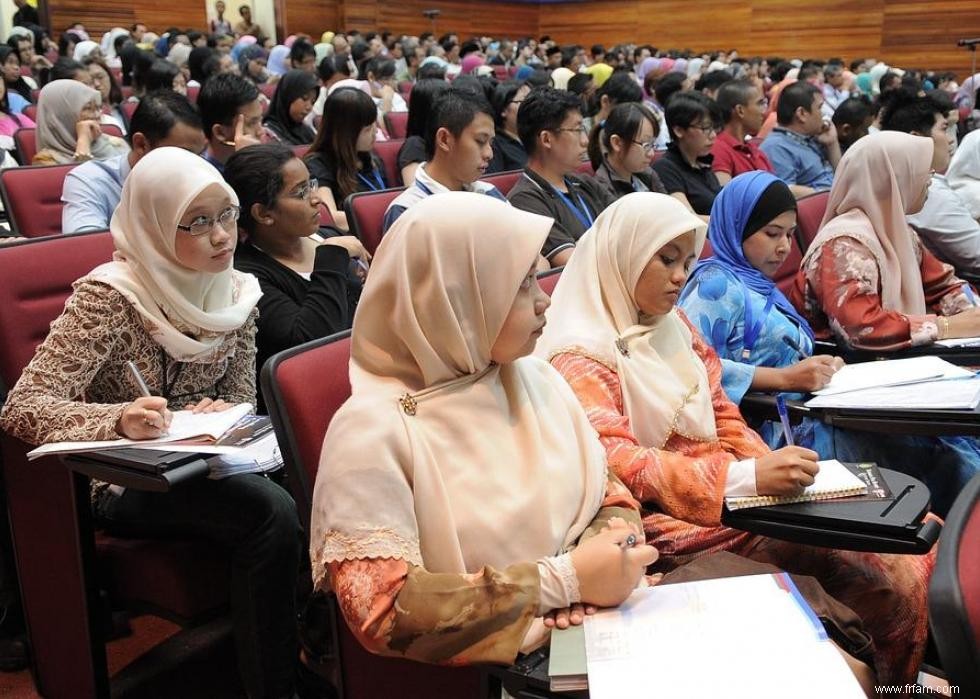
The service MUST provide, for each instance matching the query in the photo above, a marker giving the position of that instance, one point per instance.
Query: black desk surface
(528, 678)
(158, 471)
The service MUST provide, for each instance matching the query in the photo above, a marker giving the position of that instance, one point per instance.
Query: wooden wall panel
(311, 17)
(924, 33)
(98, 17)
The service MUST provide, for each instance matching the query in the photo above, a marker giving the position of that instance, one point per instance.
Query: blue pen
(795, 346)
(784, 418)
(968, 292)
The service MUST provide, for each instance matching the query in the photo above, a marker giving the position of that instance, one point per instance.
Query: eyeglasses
(706, 128)
(305, 190)
(580, 129)
(202, 225)
(647, 147)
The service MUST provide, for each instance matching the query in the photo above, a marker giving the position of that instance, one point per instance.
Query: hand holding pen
(810, 373)
(147, 417)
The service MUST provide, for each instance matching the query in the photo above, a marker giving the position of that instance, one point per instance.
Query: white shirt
(947, 228)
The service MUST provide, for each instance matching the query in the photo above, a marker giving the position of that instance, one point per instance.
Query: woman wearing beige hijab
(68, 129)
(866, 279)
(651, 387)
(171, 302)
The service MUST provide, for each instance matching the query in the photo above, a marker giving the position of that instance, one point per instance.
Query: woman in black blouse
(508, 151)
(421, 106)
(340, 157)
(307, 291)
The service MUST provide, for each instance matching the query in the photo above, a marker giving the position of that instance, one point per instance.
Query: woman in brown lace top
(171, 302)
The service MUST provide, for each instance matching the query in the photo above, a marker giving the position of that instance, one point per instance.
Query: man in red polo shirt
(744, 109)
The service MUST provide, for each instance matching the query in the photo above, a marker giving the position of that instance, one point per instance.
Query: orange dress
(681, 488)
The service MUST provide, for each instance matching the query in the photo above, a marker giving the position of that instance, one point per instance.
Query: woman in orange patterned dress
(652, 389)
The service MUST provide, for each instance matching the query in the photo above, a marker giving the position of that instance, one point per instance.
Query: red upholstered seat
(192, 94)
(181, 578)
(128, 109)
(397, 124)
(548, 280)
(585, 169)
(30, 111)
(809, 214)
(786, 274)
(268, 89)
(26, 145)
(32, 198)
(302, 150)
(954, 593)
(289, 394)
(365, 214)
(503, 181)
(388, 152)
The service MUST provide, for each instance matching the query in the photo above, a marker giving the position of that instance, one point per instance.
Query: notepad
(186, 430)
(962, 394)
(891, 372)
(834, 480)
(567, 666)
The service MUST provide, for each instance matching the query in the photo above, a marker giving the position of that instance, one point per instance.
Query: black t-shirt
(371, 176)
(412, 151)
(508, 154)
(698, 184)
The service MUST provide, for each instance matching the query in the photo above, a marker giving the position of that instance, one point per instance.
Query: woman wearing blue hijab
(766, 345)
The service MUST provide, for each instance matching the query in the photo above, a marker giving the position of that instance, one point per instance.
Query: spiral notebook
(834, 480)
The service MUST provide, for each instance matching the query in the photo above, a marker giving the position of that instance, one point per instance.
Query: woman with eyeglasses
(685, 169)
(171, 303)
(620, 149)
(307, 291)
(508, 151)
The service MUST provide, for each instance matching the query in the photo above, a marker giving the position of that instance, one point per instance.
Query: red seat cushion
(397, 123)
(809, 213)
(365, 215)
(26, 143)
(503, 181)
(32, 197)
(388, 152)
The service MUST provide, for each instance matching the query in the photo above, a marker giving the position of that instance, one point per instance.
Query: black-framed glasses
(706, 128)
(202, 225)
(305, 190)
(581, 129)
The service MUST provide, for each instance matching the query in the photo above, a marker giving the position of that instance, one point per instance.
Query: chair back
(809, 213)
(112, 130)
(585, 169)
(788, 271)
(289, 393)
(397, 124)
(268, 89)
(25, 140)
(388, 152)
(549, 280)
(954, 593)
(128, 109)
(301, 150)
(30, 111)
(32, 198)
(192, 93)
(503, 181)
(366, 213)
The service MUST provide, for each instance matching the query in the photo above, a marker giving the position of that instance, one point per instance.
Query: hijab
(560, 78)
(83, 49)
(179, 54)
(875, 75)
(649, 65)
(680, 66)
(594, 313)
(278, 60)
(471, 62)
(471, 463)
(863, 82)
(108, 44)
(322, 50)
(248, 54)
(292, 86)
(878, 180)
(743, 206)
(600, 72)
(188, 313)
(694, 67)
(967, 93)
(58, 106)
(963, 174)
(242, 44)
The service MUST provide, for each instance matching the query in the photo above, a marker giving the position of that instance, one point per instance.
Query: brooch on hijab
(409, 404)
(622, 347)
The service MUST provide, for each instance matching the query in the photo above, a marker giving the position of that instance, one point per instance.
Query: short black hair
(503, 95)
(381, 67)
(469, 47)
(686, 108)
(713, 80)
(431, 71)
(795, 95)
(732, 94)
(539, 77)
(579, 82)
(160, 76)
(668, 86)
(904, 110)
(300, 49)
(597, 50)
(255, 173)
(780, 70)
(221, 97)
(856, 64)
(853, 111)
(158, 112)
(620, 88)
(807, 72)
(454, 110)
(63, 69)
(421, 105)
(544, 109)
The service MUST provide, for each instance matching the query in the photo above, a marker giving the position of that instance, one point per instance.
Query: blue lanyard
(753, 330)
(583, 215)
(376, 181)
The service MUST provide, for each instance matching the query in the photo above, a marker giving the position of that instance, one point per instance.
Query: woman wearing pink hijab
(471, 62)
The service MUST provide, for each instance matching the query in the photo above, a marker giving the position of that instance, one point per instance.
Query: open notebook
(834, 480)
(187, 432)
(891, 372)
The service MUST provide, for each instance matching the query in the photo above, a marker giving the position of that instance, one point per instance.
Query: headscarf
(878, 180)
(600, 72)
(471, 62)
(188, 313)
(667, 64)
(967, 94)
(83, 49)
(524, 72)
(278, 60)
(875, 74)
(680, 66)
(179, 54)
(290, 40)
(594, 313)
(863, 82)
(322, 50)
(716, 65)
(58, 106)
(963, 174)
(247, 54)
(25, 32)
(108, 44)
(459, 444)
(736, 214)
(292, 86)
(240, 45)
(560, 78)
(694, 67)
(441, 62)
(326, 38)
(649, 65)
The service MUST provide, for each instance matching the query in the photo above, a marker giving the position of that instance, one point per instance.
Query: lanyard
(583, 215)
(753, 330)
(371, 184)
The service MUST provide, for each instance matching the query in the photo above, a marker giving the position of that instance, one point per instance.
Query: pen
(784, 418)
(968, 292)
(361, 263)
(138, 379)
(795, 346)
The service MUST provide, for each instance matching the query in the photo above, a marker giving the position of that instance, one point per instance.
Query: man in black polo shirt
(549, 123)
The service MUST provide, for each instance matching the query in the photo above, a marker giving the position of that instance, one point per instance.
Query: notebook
(834, 480)
(946, 394)
(891, 372)
(187, 432)
(567, 666)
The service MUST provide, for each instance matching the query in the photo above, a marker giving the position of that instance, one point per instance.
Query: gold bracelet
(944, 329)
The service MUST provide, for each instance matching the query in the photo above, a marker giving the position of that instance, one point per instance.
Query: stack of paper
(738, 638)
(260, 456)
(960, 342)
(833, 480)
(955, 394)
(892, 372)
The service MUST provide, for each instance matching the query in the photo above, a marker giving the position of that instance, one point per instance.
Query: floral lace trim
(582, 352)
(568, 576)
(378, 542)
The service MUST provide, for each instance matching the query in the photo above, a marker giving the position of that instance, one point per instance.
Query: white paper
(948, 394)
(891, 372)
(735, 638)
(959, 342)
(833, 477)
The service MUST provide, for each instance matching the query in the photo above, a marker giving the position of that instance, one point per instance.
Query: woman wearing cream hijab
(482, 471)
(68, 127)
(170, 302)
(866, 279)
(652, 389)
